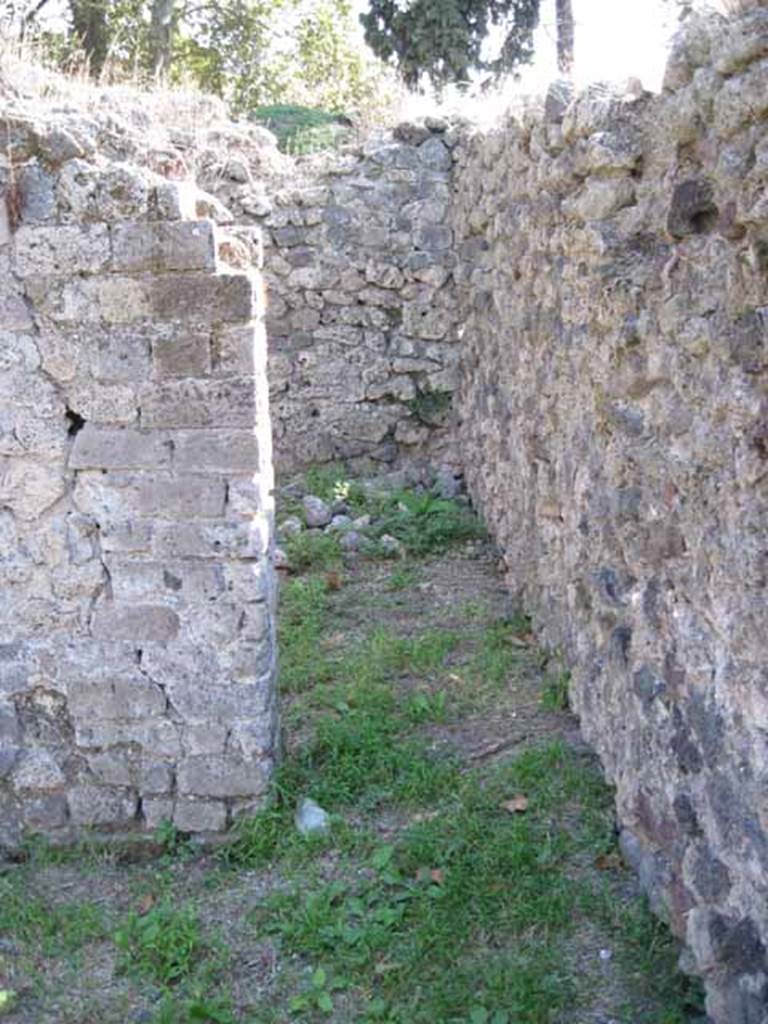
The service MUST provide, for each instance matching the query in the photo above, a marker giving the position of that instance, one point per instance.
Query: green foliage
(301, 130)
(312, 550)
(199, 1009)
(333, 481)
(252, 53)
(431, 895)
(165, 944)
(318, 996)
(443, 39)
(425, 524)
(501, 650)
(54, 928)
(554, 696)
(430, 407)
(302, 624)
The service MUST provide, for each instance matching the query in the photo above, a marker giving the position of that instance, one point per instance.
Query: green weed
(301, 629)
(166, 944)
(431, 407)
(312, 550)
(425, 524)
(451, 904)
(403, 578)
(501, 651)
(319, 994)
(554, 696)
(54, 929)
(191, 1010)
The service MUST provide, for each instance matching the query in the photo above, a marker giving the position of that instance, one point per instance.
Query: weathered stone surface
(200, 815)
(139, 623)
(316, 511)
(220, 776)
(611, 426)
(61, 251)
(101, 805)
(135, 509)
(181, 245)
(115, 448)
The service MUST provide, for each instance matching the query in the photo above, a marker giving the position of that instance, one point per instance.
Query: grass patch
(301, 130)
(312, 550)
(165, 944)
(52, 928)
(426, 525)
(429, 931)
(301, 629)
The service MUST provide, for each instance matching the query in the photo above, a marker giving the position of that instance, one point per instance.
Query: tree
(565, 33)
(444, 39)
(162, 31)
(90, 25)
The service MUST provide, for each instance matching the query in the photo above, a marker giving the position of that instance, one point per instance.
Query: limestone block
(101, 805)
(162, 246)
(122, 353)
(241, 539)
(156, 810)
(156, 777)
(183, 352)
(253, 738)
(199, 815)
(226, 402)
(158, 735)
(125, 535)
(205, 738)
(233, 350)
(742, 100)
(61, 251)
(99, 447)
(139, 623)
(28, 488)
(44, 812)
(216, 451)
(37, 770)
(113, 767)
(114, 697)
(116, 495)
(601, 198)
(221, 776)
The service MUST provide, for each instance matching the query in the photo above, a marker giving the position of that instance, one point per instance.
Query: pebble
(316, 511)
(339, 522)
(290, 526)
(311, 819)
(350, 540)
(391, 546)
(280, 559)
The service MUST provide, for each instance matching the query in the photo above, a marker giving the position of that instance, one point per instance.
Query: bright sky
(615, 40)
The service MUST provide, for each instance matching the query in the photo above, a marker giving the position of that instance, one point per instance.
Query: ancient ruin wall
(136, 632)
(614, 428)
(361, 320)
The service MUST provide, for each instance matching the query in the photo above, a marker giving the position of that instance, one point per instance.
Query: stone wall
(362, 322)
(136, 610)
(613, 413)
